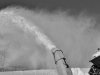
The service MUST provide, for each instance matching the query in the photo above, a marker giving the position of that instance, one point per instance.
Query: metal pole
(60, 61)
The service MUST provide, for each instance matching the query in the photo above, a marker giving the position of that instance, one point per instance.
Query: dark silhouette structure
(95, 68)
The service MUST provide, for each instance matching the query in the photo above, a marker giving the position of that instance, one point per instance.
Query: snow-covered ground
(76, 71)
(33, 72)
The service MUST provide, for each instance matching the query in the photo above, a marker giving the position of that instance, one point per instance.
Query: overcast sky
(92, 6)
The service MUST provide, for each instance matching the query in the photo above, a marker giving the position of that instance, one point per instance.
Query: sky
(92, 6)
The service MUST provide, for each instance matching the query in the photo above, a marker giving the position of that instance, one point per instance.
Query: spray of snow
(75, 35)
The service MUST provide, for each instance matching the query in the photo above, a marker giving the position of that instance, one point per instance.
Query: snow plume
(76, 35)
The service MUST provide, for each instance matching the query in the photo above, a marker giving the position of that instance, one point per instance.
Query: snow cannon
(62, 68)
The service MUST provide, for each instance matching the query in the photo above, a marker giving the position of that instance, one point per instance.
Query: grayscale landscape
(77, 35)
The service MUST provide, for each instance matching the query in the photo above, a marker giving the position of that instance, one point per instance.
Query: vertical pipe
(60, 61)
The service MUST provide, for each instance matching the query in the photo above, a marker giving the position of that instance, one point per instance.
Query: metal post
(60, 61)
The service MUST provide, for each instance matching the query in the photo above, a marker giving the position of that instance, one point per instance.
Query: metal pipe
(60, 61)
